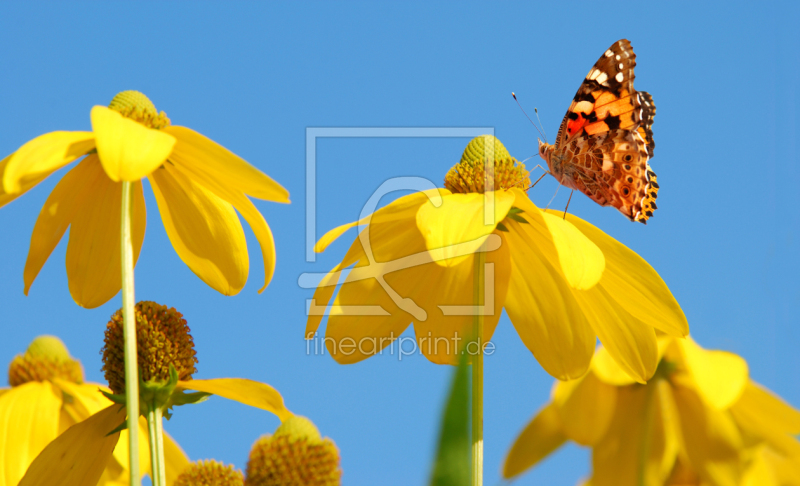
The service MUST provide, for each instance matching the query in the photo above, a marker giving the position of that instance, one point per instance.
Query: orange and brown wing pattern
(612, 169)
(645, 129)
(606, 99)
(605, 141)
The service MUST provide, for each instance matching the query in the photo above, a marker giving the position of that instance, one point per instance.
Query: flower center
(471, 174)
(45, 359)
(210, 472)
(139, 108)
(295, 455)
(163, 339)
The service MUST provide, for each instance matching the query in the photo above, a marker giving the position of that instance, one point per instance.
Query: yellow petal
(447, 296)
(204, 230)
(84, 401)
(128, 150)
(585, 408)
(397, 210)
(634, 283)
(770, 411)
(28, 422)
(581, 260)
(223, 165)
(93, 253)
(58, 213)
(326, 287)
(720, 377)
(175, 460)
(607, 370)
(711, 439)
(382, 223)
(249, 392)
(637, 426)
(541, 306)
(541, 437)
(759, 473)
(43, 155)
(248, 211)
(79, 455)
(631, 342)
(457, 227)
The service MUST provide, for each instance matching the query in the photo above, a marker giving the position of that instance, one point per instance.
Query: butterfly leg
(568, 200)
(554, 196)
(540, 178)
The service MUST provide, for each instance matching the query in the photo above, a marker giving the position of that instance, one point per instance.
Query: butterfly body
(605, 141)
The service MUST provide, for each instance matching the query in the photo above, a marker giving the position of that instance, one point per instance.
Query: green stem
(156, 434)
(647, 431)
(129, 327)
(477, 370)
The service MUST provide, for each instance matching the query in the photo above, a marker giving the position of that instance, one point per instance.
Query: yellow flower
(48, 396)
(210, 472)
(199, 185)
(296, 455)
(166, 357)
(563, 282)
(700, 421)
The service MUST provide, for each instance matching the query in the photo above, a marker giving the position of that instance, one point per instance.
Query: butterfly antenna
(529, 118)
(536, 110)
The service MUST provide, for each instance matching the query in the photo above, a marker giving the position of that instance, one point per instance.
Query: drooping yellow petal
(634, 283)
(759, 473)
(28, 422)
(58, 213)
(768, 409)
(607, 370)
(93, 255)
(79, 455)
(541, 437)
(581, 260)
(636, 428)
(175, 460)
(204, 230)
(128, 150)
(397, 210)
(369, 311)
(248, 211)
(540, 304)
(249, 392)
(327, 286)
(720, 377)
(585, 408)
(223, 165)
(84, 401)
(631, 342)
(43, 155)
(447, 296)
(457, 227)
(711, 439)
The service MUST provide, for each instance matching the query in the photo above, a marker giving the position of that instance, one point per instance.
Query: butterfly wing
(611, 168)
(606, 137)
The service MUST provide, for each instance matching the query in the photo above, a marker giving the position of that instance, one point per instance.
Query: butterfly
(605, 142)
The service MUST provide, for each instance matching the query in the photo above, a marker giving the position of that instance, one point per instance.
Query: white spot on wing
(602, 78)
(621, 66)
(619, 57)
(609, 53)
(619, 77)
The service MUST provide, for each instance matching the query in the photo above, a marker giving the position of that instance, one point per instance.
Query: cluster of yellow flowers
(655, 408)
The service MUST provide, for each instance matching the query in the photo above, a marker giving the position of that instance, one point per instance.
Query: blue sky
(255, 76)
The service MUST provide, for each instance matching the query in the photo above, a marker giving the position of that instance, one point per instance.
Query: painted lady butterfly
(606, 139)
